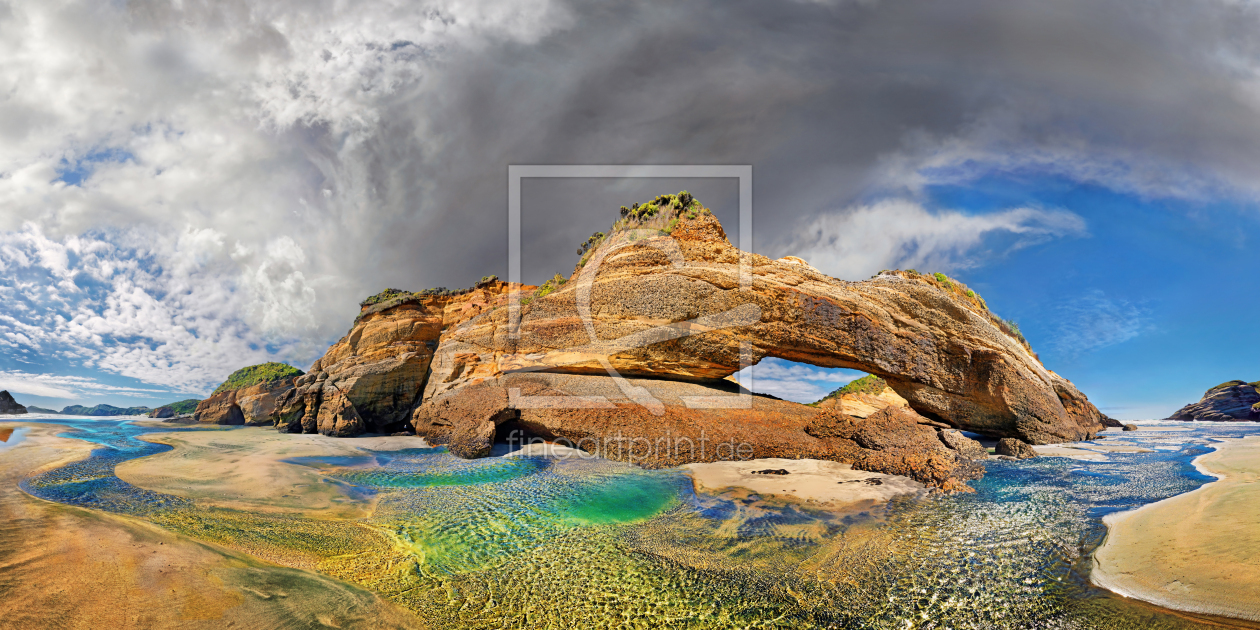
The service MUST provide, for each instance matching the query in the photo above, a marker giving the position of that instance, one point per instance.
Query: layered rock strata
(862, 405)
(371, 379)
(1229, 401)
(259, 404)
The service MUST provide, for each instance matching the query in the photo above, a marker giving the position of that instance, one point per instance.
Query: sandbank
(1198, 552)
(245, 469)
(832, 485)
(1071, 452)
(69, 567)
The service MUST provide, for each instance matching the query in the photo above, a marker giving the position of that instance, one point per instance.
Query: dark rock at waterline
(472, 440)
(8, 406)
(1018, 449)
(1229, 401)
(1130, 427)
(771, 471)
(1110, 422)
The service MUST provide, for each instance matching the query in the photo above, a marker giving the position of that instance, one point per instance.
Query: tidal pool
(512, 542)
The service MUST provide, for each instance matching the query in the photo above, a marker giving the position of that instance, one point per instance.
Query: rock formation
(162, 412)
(8, 406)
(671, 307)
(863, 402)
(1012, 447)
(371, 380)
(894, 440)
(627, 359)
(250, 396)
(1229, 401)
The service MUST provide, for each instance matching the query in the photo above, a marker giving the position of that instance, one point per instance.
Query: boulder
(473, 440)
(1012, 447)
(1227, 402)
(1130, 427)
(8, 406)
(964, 445)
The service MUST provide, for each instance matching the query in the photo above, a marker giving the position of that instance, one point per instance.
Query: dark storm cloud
(834, 104)
(286, 159)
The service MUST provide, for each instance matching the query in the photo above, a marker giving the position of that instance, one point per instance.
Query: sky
(190, 187)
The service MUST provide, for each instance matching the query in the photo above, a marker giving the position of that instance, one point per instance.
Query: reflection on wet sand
(528, 542)
(68, 567)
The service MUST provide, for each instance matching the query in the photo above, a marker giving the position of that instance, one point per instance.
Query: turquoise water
(91, 482)
(499, 542)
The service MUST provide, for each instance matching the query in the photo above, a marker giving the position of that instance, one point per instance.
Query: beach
(1197, 552)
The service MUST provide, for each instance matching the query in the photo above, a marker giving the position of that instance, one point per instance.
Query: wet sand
(68, 567)
(831, 485)
(244, 469)
(1199, 551)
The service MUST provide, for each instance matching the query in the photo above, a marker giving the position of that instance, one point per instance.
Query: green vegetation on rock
(255, 374)
(183, 407)
(869, 384)
(104, 410)
(1228, 384)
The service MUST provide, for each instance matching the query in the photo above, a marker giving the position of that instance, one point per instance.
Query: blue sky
(1150, 307)
(226, 181)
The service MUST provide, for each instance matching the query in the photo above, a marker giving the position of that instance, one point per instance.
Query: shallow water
(538, 542)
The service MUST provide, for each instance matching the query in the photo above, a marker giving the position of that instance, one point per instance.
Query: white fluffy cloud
(67, 387)
(180, 182)
(898, 234)
(793, 381)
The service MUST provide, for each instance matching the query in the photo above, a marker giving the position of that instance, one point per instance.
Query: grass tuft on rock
(255, 374)
(869, 384)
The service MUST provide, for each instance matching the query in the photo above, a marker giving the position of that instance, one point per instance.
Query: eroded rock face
(1232, 401)
(8, 406)
(254, 405)
(162, 412)
(371, 380)
(522, 406)
(670, 307)
(863, 405)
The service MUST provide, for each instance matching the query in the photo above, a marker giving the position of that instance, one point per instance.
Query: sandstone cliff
(250, 396)
(371, 380)
(1229, 401)
(8, 406)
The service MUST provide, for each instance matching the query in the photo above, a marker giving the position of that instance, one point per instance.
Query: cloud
(66, 387)
(225, 180)
(161, 313)
(1095, 321)
(898, 234)
(793, 381)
